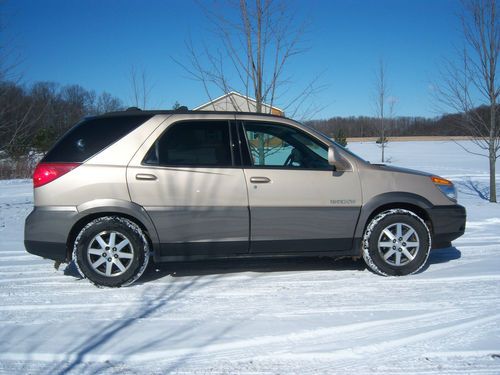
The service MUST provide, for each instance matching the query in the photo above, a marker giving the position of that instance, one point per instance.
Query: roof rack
(134, 111)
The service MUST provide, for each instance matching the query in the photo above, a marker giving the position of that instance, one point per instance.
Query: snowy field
(301, 316)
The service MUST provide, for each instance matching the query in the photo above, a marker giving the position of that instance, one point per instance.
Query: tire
(111, 251)
(396, 242)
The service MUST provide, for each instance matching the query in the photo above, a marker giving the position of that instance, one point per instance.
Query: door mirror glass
(332, 160)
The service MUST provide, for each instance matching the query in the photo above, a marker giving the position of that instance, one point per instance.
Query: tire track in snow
(456, 279)
(350, 357)
(38, 265)
(2, 252)
(384, 346)
(69, 306)
(34, 278)
(20, 272)
(223, 350)
(17, 258)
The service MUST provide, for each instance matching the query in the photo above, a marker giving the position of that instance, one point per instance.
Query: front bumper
(448, 223)
(46, 231)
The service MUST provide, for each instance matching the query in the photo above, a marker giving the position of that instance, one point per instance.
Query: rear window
(91, 136)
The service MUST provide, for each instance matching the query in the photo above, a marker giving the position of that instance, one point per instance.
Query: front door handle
(145, 176)
(260, 180)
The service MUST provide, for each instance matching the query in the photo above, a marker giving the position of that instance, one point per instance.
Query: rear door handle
(260, 180)
(145, 176)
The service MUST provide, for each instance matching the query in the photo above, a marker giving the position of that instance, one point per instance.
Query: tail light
(48, 172)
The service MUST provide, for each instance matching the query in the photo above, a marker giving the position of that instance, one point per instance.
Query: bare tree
(9, 59)
(470, 85)
(255, 42)
(107, 103)
(18, 118)
(140, 87)
(381, 99)
(17, 113)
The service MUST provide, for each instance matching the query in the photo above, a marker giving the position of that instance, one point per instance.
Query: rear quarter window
(91, 136)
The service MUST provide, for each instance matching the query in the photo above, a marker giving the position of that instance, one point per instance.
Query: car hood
(390, 168)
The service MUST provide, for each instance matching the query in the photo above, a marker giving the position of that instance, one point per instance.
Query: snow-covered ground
(306, 316)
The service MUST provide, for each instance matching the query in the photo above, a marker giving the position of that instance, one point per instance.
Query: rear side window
(91, 136)
(194, 144)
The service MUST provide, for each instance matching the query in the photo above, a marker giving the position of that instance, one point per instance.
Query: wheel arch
(383, 202)
(107, 207)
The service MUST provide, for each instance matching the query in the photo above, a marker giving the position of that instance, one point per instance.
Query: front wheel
(397, 242)
(111, 251)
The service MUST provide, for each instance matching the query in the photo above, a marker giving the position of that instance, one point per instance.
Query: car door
(186, 179)
(298, 202)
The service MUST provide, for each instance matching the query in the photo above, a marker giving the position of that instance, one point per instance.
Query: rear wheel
(111, 251)
(397, 242)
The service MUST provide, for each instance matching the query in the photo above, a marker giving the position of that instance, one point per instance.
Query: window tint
(282, 146)
(91, 136)
(200, 143)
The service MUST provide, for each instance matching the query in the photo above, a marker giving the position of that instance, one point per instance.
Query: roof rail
(134, 111)
(182, 109)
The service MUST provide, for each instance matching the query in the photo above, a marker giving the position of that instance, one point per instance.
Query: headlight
(446, 187)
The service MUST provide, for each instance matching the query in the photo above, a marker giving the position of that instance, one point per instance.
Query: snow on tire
(111, 251)
(396, 242)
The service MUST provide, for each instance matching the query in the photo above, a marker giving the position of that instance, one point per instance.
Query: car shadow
(444, 255)
(438, 256)
(260, 265)
(71, 270)
(157, 271)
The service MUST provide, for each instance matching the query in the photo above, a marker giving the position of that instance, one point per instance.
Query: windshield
(346, 150)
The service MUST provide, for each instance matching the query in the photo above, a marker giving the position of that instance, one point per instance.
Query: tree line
(365, 126)
(33, 117)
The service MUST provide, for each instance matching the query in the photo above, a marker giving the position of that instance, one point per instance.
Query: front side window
(281, 146)
(194, 144)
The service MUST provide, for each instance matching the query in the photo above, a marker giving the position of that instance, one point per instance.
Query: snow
(281, 316)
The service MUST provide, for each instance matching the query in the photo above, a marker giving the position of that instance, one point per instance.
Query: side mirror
(331, 156)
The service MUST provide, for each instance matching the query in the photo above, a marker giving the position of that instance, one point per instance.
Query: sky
(95, 43)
